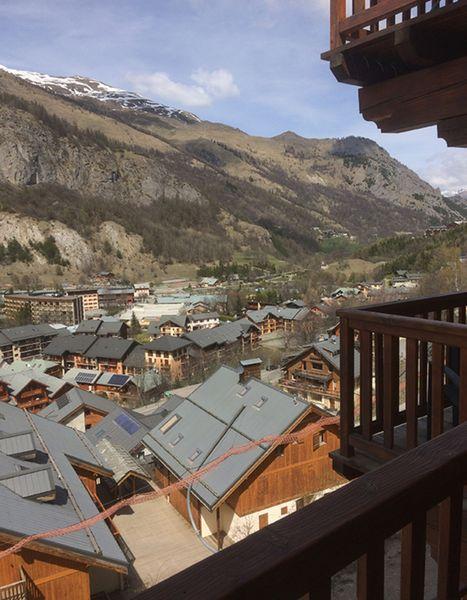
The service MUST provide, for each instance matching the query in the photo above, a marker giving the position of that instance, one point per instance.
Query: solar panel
(127, 423)
(85, 377)
(118, 380)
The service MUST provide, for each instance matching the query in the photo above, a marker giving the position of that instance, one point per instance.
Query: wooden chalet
(315, 373)
(247, 492)
(30, 389)
(48, 478)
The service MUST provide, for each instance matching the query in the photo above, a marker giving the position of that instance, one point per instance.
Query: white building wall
(77, 422)
(237, 527)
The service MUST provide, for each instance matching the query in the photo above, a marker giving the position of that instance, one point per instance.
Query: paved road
(162, 542)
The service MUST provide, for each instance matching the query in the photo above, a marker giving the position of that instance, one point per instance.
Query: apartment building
(90, 298)
(26, 342)
(68, 310)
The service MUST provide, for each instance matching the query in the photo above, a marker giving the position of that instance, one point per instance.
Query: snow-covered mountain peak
(85, 87)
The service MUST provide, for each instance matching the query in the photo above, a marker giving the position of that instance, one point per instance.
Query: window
(196, 454)
(164, 428)
(259, 403)
(319, 439)
(317, 365)
(176, 440)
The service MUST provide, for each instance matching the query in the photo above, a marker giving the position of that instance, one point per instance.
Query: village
(115, 390)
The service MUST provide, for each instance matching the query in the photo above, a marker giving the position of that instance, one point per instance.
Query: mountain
(85, 87)
(113, 180)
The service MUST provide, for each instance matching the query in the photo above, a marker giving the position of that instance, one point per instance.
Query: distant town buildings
(67, 310)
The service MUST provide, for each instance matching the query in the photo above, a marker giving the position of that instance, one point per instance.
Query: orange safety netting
(275, 440)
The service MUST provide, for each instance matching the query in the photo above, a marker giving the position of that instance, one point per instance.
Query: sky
(252, 64)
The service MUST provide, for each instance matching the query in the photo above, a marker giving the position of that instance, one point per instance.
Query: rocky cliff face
(178, 189)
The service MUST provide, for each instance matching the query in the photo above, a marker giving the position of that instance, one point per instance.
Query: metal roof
(289, 314)
(167, 343)
(220, 414)
(35, 482)
(72, 344)
(227, 333)
(121, 462)
(17, 381)
(74, 400)
(24, 332)
(57, 446)
(115, 348)
(126, 433)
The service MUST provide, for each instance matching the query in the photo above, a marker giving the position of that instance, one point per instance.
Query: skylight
(169, 424)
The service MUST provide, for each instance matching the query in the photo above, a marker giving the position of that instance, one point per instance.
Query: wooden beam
(387, 95)
(454, 131)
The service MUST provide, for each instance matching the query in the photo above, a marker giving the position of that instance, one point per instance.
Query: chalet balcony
(413, 378)
(410, 59)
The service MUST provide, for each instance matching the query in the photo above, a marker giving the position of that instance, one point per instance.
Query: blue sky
(252, 64)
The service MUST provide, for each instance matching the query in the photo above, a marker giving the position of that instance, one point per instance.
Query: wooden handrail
(381, 14)
(425, 330)
(300, 553)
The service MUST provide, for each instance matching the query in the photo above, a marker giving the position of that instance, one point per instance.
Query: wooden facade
(300, 554)
(53, 577)
(291, 471)
(410, 59)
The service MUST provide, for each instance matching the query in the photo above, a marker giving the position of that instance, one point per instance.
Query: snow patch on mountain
(78, 86)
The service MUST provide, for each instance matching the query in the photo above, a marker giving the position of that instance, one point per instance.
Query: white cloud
(208, 86)
(218, 84)
(447, 170)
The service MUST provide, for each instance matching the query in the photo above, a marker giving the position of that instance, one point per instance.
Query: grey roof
(111, 327)
(17, 381)
(38, 364)
(24, 332)
(329, 350)
(178, 320)
(289, 314)
(17, 443)
(120, 462)
(115, 348)
(73, 374)
(135, 358)
(114, 380)
(58, 447)
(88, 326)
(221, 414)
(109, 428)
(227, 333)
(35, 482)
(203, 316)
(167, 343)
(70, 344)
(248, 362)
(153, 328)
(74, 400)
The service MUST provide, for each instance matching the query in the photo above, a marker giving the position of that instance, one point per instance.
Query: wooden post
(347, 387)
(338, 14)
(437, 399)
(366, 380)
(370, 573)
(391, 387)
(449, 544)
(463, 386)
(413, 548)
(411, 393)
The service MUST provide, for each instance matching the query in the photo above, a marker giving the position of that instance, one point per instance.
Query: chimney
(249, 368)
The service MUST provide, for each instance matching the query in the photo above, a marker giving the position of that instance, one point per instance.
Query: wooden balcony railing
(402, 400)
(301, 553)
(367, 17)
